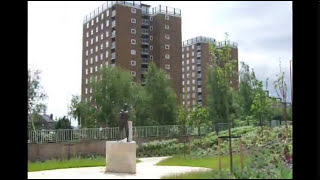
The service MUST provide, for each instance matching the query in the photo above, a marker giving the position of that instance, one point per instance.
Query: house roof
(46, 118)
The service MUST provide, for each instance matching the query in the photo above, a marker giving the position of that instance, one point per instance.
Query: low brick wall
(94, 147)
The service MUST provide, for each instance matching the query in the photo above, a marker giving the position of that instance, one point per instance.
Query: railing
(113, 45)
(113, 34)
(113, 23)
(113, 55)
(144, 31)
(145, 51)
(145, 60)
(199, 39)
(145, 22)
(145, 41)
(144, 70)
(225, 43)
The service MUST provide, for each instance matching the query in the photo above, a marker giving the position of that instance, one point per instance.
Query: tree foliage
(199, 117)
(162, 100)
(63, 123)
(36, 95)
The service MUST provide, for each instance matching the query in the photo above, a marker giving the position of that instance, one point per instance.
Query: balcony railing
(145, 22)
(113, 23)
(145, 41)
(113, 55)
(199, 39)
(199, 68)
(145, 51)
(144, 70)
(227, 43)
(199, 82)
(113, 45)
(198, 47)
(145, 60)
(198, 61)
(113, 35)
(145, 31)
(113, 13)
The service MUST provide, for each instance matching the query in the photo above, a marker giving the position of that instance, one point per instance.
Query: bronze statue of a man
(124, 122)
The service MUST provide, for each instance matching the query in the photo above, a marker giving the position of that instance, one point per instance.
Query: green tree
(63, 123)
(36, 95)
(161, 98)
(109, 95)
(280, 86)
(199, 117)
(74, 110)
(182, 120)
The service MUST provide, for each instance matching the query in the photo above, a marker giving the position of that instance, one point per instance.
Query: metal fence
(74, 135)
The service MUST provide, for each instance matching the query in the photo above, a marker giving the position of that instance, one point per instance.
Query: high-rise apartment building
(196, 59)
(130, 35)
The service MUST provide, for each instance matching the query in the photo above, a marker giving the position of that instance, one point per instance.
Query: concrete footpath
(146, 169)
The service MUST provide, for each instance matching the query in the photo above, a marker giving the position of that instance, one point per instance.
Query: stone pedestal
(121, 157)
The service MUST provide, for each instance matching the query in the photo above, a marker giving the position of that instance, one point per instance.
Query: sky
(263, 31)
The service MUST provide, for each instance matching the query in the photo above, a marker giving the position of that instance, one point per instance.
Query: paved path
(146, 169)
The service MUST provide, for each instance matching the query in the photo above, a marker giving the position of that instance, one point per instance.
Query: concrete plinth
(121, 157)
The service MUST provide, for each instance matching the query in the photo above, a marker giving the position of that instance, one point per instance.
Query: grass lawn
(196, 175)
(207, 161)
(71, 163)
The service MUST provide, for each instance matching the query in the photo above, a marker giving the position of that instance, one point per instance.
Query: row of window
(188, 103)
(188, 75)
(187, 48)
(188, 68)
(188, 96)
(188, 89)
(188, 82)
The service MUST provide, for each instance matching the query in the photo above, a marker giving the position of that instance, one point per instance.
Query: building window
(107, 64)
(192, 67)
(133, 52)
(133, 10)
(107, 33)
(166, 17)
(188, 89)
(91, 50)
(182, 69)
(193, 88)
(183, 49)
(192, 60)
(167, 46)
(97, 48)
(91, 40)
(151, 58)
(188, 48)
(86, 62)
(193, 81)
(102, 15)
(187, 55)
(97, 29)
(133, 63)
(182, 82)
(96, 58)
(87, 43)
(90, 98)
(91, 60)
(96, 68)
(182, 76)
(182, 55)
(101, 56)
(192, 46)
(151, 28)
(97, 19)
(151, 37)
(167, 36)
(133, 20)
(182, 63)
(167, 66)
(86, 90)
(133, 41)
(192, 53)
(91, 70)
(188, 82)
(101, 46)
(133, 31)
(97, 38)
(210, 59)
(107, 13)
(107, 23)
(188, 75)
(187, 61)
(87, 34)
(193, 74)
(91, 31)
(107, 54)
(151, 18)
(167, 56)
(107, 44)
(151, 47)
(87, 25)
(101, 26)
(86, 71)
(187, 68)
(86, 80)
(166, 27)
(101, 36)
(133, 73)
(92, 22)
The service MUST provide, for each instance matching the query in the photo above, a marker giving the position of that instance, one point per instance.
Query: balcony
(198, 61)
(113, 45)
(145, 31)
(145, 51)
(113, 35)
(145, 22)
(113, 23)
(145, 41)
(113, 55)
(145, 60)
(199, 68)
(198, 54)
(198, 47)
(199, 82)
(144, 70)
(113, 13)
(143, 81)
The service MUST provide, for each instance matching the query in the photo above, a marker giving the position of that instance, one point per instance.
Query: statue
(124, 123)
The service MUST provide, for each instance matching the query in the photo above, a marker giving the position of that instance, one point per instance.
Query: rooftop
(203, 39)
(137, 4)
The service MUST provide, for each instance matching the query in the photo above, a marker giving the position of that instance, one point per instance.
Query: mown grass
(71, 163)
(206, 161)
(197, 175)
